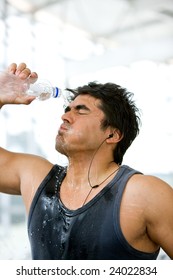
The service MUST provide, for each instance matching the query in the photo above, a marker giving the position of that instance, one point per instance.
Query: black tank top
(91, 232)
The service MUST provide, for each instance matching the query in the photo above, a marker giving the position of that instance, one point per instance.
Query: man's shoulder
(148, 187)
(149, 192)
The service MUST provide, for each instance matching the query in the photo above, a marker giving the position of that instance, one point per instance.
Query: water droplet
(44, 223)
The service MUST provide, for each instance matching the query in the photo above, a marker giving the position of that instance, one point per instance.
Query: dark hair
(119, 109)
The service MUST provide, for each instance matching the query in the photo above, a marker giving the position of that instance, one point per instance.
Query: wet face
(81, 127)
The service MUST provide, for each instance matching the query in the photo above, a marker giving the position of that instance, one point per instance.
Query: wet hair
(119, 109)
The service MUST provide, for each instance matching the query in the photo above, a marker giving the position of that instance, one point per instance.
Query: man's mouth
(62, 129)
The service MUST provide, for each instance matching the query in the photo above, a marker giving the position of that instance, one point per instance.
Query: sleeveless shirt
(90, 232)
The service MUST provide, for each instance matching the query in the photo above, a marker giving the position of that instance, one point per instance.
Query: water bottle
(43, 90)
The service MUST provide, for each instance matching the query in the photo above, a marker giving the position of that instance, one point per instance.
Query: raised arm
(19, 172)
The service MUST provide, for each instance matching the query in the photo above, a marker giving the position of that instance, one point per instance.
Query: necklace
(96, 186)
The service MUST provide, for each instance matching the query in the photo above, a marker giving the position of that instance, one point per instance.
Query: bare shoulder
(22, 164)
(150, 189)
(150, 194)
(22, 173)
(150, 183)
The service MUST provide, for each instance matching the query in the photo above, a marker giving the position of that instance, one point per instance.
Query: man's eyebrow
(77, 108)
(81, 106)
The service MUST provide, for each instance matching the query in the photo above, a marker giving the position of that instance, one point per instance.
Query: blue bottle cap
(57, 91)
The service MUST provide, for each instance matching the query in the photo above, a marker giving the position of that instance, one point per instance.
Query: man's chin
(60, 149)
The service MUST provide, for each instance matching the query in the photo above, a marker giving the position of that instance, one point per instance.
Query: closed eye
(80, 109)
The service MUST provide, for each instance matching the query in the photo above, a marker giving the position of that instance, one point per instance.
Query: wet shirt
(91, 232)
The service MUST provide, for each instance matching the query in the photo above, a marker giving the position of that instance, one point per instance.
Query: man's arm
(19, 172)
(9, 178)
(159, 213)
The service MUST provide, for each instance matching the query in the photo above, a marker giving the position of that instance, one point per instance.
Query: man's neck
(85, 171)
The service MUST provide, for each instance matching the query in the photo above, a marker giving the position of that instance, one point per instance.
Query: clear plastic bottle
(43, 90)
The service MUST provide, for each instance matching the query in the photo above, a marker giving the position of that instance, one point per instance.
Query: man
(95, 208)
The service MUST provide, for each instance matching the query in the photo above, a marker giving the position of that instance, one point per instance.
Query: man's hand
(13, 83)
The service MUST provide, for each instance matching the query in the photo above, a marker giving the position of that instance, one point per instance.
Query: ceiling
(121, 31)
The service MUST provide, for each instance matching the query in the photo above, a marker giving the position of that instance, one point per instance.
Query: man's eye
(82, 112)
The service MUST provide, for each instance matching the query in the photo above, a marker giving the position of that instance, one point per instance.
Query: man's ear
(115, 136)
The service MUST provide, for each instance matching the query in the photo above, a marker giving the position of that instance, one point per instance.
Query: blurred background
(72, 42)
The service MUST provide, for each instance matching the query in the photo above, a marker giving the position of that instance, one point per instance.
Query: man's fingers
(22, 71)
(12, 68)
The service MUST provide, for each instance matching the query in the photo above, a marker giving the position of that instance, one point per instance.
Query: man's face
(81, 127)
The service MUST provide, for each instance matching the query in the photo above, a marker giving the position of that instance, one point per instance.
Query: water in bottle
(43, 90)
